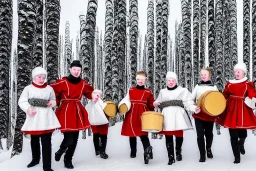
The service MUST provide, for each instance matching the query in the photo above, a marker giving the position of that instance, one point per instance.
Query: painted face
(141, 80)
(171, 82)
(239, 74)
(205, 75)
(75, 71)
(39, 79)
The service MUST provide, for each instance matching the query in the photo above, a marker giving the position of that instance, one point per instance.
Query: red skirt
(178, 133)
(203, 116)
(237, 115)
(100, 129)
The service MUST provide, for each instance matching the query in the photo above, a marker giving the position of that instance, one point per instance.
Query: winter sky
(70, 11)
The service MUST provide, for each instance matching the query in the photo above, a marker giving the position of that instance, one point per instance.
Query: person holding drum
(173, 101)
(203, 122)
(238, 116)
(71, 113)
(141, 100)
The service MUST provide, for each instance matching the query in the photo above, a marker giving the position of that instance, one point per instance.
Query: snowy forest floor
(119, 152)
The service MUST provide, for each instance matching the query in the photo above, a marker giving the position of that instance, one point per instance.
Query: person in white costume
(99, 124)
(173, 102)
(204, 122)
(37, 101)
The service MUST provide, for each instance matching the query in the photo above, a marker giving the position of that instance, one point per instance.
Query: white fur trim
(238, 81)
(140, 77)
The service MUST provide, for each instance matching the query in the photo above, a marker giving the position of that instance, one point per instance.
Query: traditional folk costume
(99, 125)
(173, 104)
(71, 113)
(204, 123)
(43, 123)
(141, 100)
(238, 116)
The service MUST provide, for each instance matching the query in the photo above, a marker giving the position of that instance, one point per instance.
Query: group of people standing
(38, 99)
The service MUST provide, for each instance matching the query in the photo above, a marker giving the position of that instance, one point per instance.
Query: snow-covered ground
(119, 152)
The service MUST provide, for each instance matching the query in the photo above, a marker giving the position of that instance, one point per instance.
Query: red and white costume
(141, 100)
(237, 113)
(71, 113)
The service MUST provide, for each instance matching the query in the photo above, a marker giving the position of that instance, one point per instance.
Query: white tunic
(45, 118)
(175, 117)
(200, 89)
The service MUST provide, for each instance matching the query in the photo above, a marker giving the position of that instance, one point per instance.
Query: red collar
(39, 86)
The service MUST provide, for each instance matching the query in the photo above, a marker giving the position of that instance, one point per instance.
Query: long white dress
(176, 117)
(45, 118)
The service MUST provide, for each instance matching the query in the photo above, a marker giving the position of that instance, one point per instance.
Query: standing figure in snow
(204, 123)
(173, 102)
(238, 116)
(141, 100)
(99, 124)
(37, 100)
(71, 113)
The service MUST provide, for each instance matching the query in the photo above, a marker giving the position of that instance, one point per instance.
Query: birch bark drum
(212, 103)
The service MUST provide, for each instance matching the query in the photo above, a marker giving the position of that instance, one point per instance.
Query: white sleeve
(194, 92)
(215, 88)
(125, 100)
(188, 102)
(52, 97)
(23, 100)
(159, 98)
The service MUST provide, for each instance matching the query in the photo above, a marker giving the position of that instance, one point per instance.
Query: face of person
(39, 79)
(75, 71)
(171, 82)
(239, 74)
(141, 80)
(205, 75)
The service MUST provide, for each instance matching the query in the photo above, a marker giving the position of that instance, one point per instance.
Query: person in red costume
(204, 122)
(71, 113)
(141, 100)
(238, 116)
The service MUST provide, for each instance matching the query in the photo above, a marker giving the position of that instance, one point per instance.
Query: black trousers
(133, 142)
(46, 148)
(237, 137)
(69, 143)
(204, 129)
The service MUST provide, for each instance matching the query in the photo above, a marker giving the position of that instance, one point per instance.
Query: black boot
(209, 140)
(171, 160)
(35, 149)
(133, 146)
(47, 151)
(59, 153)
(179, 141)
(96, 142)
(68, 163)
(209, 153)
(170, 151)
(202, 158)
(201, 146)
(146, 145)
(147, 154)
(70, 152)
(236, 150)
(103, 145)
(241, 145)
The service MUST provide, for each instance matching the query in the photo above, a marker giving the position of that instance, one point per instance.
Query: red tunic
(100, 129)
(141, 100)
(203, 116)
(71, 113)
(237, 113)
